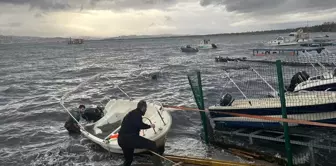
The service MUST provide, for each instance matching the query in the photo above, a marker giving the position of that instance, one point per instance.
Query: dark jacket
(75, 113)
(92, 114)
(70, 124)
(132, 124)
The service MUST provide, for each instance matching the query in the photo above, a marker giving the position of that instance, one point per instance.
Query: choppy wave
(35, 77)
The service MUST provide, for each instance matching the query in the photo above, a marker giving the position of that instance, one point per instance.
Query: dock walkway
(283, 50)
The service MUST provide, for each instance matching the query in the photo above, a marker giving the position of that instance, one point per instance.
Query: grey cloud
(168, 18)
(11, 25)
(134, 4)
(49, 5)
(271, 6)
(38, 15)
(15, 24)
(41, 4)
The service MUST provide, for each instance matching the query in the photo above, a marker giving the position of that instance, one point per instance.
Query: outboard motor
(226, 100)
(334, 72)
(297, 79)
(213, 45)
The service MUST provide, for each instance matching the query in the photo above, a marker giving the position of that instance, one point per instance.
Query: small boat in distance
(75, 41)
(294, 38)
(205, 44)
(188, 48)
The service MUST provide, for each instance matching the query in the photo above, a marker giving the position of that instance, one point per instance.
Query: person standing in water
(129, 138)
(71, 125)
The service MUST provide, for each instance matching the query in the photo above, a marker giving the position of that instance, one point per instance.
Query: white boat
(294, 38)
(309, 106)
(188, 48)
(317, 106)
(302, 81)
(205, 44)
(105, 131)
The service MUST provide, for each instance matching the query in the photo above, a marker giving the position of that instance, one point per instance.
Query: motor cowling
(297, 79)
(226, 100)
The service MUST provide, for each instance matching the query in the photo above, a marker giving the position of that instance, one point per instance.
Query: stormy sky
(107, 18)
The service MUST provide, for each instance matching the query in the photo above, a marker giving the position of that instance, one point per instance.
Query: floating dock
(318, 44)
(295, 51)
(270, 61)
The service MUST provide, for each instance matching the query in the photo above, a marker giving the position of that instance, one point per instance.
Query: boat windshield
(316, 78)
(280, 38)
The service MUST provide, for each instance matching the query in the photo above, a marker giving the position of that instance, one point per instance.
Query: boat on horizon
(75, 41)
(189, 49)
(205, 44)
(294, 38)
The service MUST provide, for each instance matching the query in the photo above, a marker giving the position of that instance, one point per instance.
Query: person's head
(142, 106)
(81, 108)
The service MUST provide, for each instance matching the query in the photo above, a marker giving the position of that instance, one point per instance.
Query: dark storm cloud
(48, 5)
(271, 6)
(133, 4)
(41, 4)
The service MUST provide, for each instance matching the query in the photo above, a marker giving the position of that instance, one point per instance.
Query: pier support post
(284, 113)
(312, 157)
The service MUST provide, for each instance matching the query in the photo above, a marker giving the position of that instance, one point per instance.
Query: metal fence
(283, 105)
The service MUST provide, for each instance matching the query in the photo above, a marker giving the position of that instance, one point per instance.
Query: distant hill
(325, 27)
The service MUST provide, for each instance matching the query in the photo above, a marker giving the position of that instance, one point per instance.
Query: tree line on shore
(325, 27)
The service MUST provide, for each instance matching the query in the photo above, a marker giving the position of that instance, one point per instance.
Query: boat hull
(160, 142)
(207, 46)
(109, 124)
(282, 44)
(329, 85)
(325, 113)
(190, 50)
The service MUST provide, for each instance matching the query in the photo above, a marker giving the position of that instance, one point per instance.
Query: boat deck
(106, 130)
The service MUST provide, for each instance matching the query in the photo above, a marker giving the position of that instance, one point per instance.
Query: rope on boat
(288, 120)
(264, 80)
(227, 74)
(162, 157)
(66, 95)
(120, 89)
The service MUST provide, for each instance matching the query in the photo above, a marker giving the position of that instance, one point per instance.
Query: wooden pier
(193, 161)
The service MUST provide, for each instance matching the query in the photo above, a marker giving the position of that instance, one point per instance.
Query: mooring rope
(162, 157)
(288, 120)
